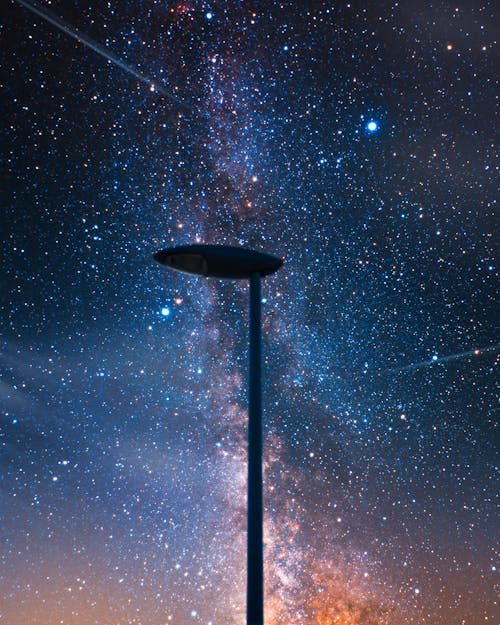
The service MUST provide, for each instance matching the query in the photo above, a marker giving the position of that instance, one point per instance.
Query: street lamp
(224, 261)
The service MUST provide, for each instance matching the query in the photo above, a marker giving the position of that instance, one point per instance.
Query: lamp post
(224, 261)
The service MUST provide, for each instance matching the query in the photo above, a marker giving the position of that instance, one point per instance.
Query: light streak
(101, 50)
(437, 360)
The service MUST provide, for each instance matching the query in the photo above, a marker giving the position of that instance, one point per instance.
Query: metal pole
(255, 546)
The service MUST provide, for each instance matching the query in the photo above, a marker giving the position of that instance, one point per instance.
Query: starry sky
(356, 141)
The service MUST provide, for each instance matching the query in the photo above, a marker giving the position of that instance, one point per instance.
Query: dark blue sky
(357, 142)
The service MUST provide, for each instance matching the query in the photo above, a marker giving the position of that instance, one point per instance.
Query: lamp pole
(255, 541)
(223, 261)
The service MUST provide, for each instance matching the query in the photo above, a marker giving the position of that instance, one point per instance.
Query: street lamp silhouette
(224, 261)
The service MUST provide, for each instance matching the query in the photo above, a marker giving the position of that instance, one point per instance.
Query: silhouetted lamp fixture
(238, 263)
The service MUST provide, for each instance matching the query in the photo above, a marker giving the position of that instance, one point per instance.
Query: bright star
(372, 126)
(165, 311)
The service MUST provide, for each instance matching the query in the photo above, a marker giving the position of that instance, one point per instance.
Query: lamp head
(218, 261)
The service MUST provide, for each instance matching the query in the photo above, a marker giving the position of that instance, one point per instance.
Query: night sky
(356, 140)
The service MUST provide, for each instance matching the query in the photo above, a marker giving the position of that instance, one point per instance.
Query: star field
(356, 141)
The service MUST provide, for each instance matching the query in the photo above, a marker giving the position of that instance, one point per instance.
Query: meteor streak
(436, 360)
(101, 50)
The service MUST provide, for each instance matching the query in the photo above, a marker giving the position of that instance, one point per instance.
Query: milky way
(352, 139)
